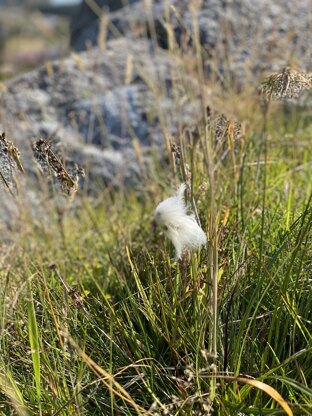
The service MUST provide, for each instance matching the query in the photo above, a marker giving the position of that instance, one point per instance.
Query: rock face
(109, 107)
(99, 105)
(241, 38)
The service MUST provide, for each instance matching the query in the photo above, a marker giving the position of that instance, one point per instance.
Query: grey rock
(240, 38)
(111, 108)
(97, 104)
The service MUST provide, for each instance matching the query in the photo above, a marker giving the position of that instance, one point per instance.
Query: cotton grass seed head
(181, 227)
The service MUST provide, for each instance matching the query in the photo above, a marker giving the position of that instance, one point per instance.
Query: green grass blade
(35, 347)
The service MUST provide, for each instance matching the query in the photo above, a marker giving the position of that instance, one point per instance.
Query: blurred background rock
(123, 93)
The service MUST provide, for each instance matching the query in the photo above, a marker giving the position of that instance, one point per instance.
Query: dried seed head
(225, 131)
(53, 165)
(10, 163)
(222, 127)
(287, 84)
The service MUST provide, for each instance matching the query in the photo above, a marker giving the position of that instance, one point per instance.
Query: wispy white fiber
(181, 228)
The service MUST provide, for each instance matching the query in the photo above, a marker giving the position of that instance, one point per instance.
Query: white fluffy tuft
(181, 228)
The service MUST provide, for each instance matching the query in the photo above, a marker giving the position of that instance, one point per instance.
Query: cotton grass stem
(212, 258)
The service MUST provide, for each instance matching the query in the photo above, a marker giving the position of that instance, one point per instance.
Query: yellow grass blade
(107, 379)
(270, 391)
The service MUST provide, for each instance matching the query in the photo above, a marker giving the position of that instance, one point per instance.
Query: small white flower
(181, 228)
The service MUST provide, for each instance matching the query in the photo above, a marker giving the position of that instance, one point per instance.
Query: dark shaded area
(84, 27)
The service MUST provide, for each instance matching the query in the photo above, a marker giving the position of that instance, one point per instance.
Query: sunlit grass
(114, 326)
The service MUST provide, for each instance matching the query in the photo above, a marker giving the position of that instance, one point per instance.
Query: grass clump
(97, 318)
